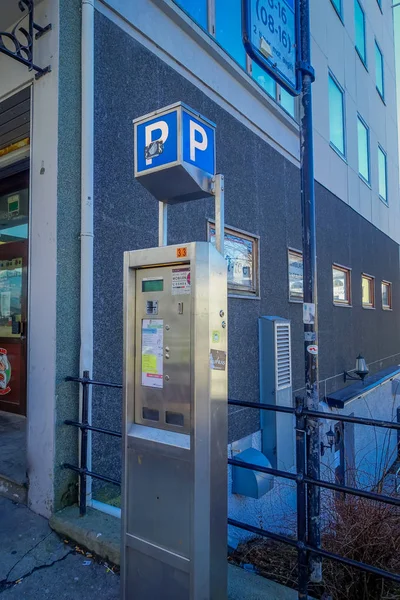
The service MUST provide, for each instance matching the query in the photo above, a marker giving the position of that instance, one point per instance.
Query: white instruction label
(180, 281)
(152, 352)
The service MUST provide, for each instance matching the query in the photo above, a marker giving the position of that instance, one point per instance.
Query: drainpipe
(87, 150)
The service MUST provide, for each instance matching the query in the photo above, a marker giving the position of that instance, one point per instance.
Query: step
(14, 490)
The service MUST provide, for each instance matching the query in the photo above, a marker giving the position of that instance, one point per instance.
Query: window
(228, 28)
(222, 19)
(241, 255)
(363, 149)
(386, 295)
(337, 4)
(360, 31)
(379, 71)
(196, 10)
(336, 116)
(341, 285)
(382, 170)
(295, 266)
(368, 291)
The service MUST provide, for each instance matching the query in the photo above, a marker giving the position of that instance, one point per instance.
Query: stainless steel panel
(159, 499)
(171, 402)
(149, 579)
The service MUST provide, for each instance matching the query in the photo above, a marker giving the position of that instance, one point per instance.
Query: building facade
(66, 158)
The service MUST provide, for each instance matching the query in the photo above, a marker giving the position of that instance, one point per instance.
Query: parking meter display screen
(152, 285)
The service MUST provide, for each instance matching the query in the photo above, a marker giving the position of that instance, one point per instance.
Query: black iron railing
(302, 415)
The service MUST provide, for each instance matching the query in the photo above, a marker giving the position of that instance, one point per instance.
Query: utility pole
(310, 318)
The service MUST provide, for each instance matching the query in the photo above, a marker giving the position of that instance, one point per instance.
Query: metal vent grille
(283, 358)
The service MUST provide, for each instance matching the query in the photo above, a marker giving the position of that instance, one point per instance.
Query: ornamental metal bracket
(18, 43)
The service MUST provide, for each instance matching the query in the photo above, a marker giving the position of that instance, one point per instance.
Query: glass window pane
(367, 291)
(264, 80)
(386, 295)
(363, 150)
(379, 70)
(360, 30)
(338, 5)
(295, 261)
(241, 257)
(336, 116)
(228, 18)
(197, 10)
(340, 285)
(382, 168)
(287, 102)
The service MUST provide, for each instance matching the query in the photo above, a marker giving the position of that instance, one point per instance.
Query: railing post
(301, 500)
(84, 445)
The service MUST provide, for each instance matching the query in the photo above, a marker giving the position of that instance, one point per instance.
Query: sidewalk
(45, 567)
(36, 564)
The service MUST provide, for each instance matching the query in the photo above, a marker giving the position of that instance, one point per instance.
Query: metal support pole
(84, 446)
(310, 287)
(301, 501)
(219, 212)
(163, 224)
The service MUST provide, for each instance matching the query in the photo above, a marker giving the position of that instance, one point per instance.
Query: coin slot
(174, 418)
(150, 414)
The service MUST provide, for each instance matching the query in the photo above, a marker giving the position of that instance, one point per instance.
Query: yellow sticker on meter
(149, 363)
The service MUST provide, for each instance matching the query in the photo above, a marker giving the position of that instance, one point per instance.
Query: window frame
(299, 254)
(339, 13)
(237, 291)
(390, 305)
(385, 201)
(381, 95)
(347, 271)
(211, 33)
(371, 283)
(364, 124)
(363, 60)
(332, 145)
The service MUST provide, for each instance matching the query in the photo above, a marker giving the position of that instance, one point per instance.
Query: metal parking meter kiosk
(174, 544)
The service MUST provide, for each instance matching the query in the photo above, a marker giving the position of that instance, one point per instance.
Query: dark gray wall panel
(262, 195)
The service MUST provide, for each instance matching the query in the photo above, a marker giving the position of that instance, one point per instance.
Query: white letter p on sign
(195, 144)
(163, 128)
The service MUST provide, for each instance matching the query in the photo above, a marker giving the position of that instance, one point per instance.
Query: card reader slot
(150, 414)
(174, 418)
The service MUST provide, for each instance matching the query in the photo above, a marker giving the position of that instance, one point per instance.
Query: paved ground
(13, 447)
(36, 564)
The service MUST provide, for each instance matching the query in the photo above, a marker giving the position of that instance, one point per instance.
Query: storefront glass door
(14, 212)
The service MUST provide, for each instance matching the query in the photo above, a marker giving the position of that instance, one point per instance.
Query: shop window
(341, 285)
(382, 170)
(368, 291)
(295, 268)
(379, 71)
(363, 149)
(241, 254)
(336, 116)
(386, 295)
(360, 32)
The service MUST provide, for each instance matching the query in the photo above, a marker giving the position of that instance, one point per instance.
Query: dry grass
(355, 528)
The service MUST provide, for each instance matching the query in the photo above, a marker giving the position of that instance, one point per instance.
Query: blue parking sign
(175, 153)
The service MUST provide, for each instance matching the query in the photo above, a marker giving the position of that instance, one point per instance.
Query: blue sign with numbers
(175, 153)
(271, 35)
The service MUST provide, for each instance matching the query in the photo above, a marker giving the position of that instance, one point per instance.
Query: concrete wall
(53, 297)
